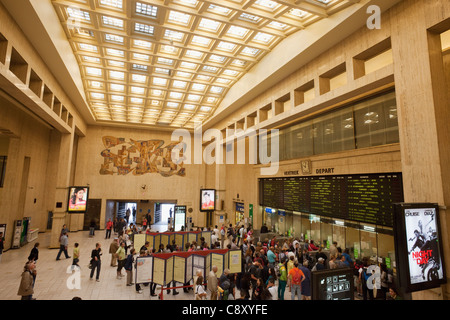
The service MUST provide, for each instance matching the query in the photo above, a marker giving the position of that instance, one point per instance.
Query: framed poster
(77, 199)
(419, 251)
(144, 269)
(207, 200)
(235, 261)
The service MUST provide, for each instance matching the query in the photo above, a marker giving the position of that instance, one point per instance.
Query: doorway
(163, 212)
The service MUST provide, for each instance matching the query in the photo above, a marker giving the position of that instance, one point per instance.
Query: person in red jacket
(109, 226)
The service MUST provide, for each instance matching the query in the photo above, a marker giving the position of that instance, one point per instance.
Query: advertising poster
(424, 256)
(207, 199)
(144, 269)
(218, 260)
(78, 197)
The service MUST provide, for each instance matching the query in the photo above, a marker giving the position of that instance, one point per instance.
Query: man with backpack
(297, 277)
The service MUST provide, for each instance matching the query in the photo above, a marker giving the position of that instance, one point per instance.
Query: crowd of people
(269, 267)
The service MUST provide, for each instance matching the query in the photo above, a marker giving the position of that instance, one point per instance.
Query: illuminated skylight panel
(142, 44)
(96, 84)
(298, 13)
(139, 67)
(146, 9)
(144, 28)
(179, 84)
(114, 38)
(250, 51)
(179, 18)
(201, 41)
(203, 77)
(78, 14)
(183, 74)
(141, 56)
(134, 100)
(205, 109)
(173, 35)
(249, 17)
(168, 49)
(97, 96)
(117, 98)
(115, 63)
(194, 97)
(159, 81)
(189, 107)
(239, 63)
(216, 89)
(117, 75)
(117, 87)
(166, 61)
(278, 25)
(219, 10)
(112, 22)
(236, 31)
(91, 59)
(115, 52)
(118, 4)
(232, 73)
(162, 71)
(227, 46)
(190, 3)
(210, 69)
(138, 78)
(194, 54)
(209, 25)
(263, 37)
(198, 87)
(137, 90)
(175, 95)
(267, 4)
(87, 47)
(97, 72)
(217, 58)
(223, 81)
(188, 65)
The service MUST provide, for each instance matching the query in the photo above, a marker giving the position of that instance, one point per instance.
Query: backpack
(297, 277)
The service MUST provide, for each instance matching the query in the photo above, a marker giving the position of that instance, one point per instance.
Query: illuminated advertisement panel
(419, 246)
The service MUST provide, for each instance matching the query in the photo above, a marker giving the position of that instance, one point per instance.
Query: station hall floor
(52, 276)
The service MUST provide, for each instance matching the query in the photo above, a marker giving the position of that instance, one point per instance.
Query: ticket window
(369, 243)
(339, 231)
(315, 229)
(296, 224)
(306, 227)
(326, 235)
(352, 242)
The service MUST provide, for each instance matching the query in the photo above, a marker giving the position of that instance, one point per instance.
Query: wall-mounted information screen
(365, 198)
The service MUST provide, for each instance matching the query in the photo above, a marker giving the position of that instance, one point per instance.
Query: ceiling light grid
(172, 62)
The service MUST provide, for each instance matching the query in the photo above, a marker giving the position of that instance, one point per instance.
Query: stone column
(423, 111)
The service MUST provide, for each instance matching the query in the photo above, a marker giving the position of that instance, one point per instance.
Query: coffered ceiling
(171, 62)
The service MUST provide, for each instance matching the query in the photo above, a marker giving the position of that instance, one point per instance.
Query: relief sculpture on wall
(140, 157)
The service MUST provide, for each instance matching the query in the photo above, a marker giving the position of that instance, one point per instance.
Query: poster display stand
(144, 270)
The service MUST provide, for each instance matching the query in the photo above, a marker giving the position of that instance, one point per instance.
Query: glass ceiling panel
(175, 54)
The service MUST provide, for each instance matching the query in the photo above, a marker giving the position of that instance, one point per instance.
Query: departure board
(364, 198)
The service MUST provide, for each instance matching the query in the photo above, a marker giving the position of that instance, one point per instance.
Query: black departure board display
(364, 198)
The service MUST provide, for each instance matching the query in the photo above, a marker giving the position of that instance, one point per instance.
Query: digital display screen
(78, 198)
(207, 199)
(419, 246)
(336, 284)
(364, 198)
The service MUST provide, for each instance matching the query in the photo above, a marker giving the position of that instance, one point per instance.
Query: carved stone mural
(122, 157)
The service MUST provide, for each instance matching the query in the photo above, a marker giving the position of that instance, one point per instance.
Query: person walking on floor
(109, 226)
(63, 245)
(213, 283)
(112, 250)
(34, 254)
(76, 255)
(96, 262)
(26, 288)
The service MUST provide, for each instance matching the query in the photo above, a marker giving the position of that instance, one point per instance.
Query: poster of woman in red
(78, 199)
